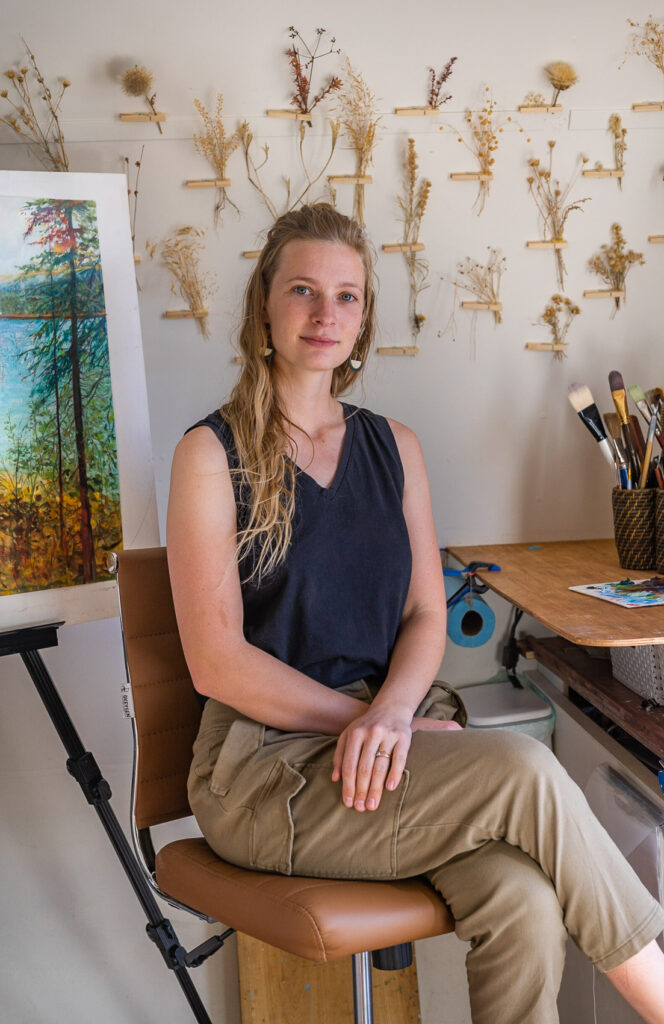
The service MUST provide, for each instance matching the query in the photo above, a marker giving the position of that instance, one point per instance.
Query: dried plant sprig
(562, 77)
(436, 83)
(553, 202)
(181, 254)
(619, 143)
(534, 99)
(647, 41)
(557, 316)
(413, 205)
(41, 133)
(302, 59)
(253, 169)
(138, 81)
(484, 130)
(217, 148)
(358, 114)
(613, 263)
(132, 193)
(483, 279)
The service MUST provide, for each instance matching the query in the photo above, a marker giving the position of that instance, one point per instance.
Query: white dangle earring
(355, 364)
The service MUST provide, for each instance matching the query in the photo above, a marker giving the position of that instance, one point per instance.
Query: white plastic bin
(497, 704)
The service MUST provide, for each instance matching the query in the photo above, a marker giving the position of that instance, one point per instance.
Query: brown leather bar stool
(318, 919)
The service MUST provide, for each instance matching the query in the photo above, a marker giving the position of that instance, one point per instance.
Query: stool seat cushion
(317, 918)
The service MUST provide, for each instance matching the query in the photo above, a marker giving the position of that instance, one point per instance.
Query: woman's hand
(371, 754)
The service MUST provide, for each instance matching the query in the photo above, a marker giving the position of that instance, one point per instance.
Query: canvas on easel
(76, 478)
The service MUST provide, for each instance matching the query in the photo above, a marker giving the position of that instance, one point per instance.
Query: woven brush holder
(659, 531)
(634, 527)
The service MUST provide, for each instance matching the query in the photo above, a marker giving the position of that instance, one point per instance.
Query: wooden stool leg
(362, 995)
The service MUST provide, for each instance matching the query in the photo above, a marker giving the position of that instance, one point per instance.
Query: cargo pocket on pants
(272, 829)
(243, 740)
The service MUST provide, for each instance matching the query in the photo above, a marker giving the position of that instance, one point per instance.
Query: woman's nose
(323, 311)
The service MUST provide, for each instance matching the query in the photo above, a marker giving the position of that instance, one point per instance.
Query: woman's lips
(319, 342)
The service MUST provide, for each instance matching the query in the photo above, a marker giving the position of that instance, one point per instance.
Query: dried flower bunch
(413, 205)
(484, 132)
(213, 143)
(483, 279)
(310, 179)
(41, 133)
(436, 83)
(358, 118)
(562, 77)
(181, 254)
(302, 59)
(648, 42)
(558, 316)
(138, 81)
(613, 262)
(553, 203)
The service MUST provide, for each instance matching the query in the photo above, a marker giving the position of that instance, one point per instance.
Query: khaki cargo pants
(490, 818)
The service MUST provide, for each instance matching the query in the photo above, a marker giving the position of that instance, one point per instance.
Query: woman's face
(315, 304)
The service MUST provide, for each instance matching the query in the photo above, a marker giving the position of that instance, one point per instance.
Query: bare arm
(415, 659)
(208, 604)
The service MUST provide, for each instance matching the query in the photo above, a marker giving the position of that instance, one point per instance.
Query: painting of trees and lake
(59, 490)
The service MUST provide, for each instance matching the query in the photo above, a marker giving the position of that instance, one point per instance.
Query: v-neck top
(333, 608)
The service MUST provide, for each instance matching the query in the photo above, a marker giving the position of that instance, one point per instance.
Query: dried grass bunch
(181, 254)
(435, 97)
(310, 179)
(648, 42)
(41, 133)
(358, 118)
(613, 262)
(413, 205)
(483, 279)
(562, 77)
(138, 81)
(553, 202)
(217, 148)
(302, 59)
(558, 316)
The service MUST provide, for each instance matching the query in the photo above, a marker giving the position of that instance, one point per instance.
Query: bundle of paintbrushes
(620, 436)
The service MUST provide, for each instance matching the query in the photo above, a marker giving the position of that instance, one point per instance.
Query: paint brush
(582, 402)
(648, 453)
(624, 469)
(643, 404)
(619, 396)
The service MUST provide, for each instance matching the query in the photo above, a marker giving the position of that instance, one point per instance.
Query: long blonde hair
(265, 477)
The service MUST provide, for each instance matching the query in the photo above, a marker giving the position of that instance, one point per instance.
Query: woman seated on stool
(310, 600)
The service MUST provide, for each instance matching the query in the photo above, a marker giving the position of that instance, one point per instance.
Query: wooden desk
(536, 578)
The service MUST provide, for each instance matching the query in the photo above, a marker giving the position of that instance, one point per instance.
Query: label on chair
(127, 701)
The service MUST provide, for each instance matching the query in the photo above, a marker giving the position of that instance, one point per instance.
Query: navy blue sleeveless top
(333, 608)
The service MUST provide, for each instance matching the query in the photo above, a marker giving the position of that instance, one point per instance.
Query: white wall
(508, 459)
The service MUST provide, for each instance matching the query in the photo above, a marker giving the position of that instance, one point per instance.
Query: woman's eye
(348, 297)
(301, 289)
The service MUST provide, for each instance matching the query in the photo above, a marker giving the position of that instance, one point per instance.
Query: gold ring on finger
(383, 753)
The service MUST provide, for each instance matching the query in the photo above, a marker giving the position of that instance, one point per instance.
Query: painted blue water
(14, 389)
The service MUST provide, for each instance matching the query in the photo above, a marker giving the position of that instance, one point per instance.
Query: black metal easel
(28, 642)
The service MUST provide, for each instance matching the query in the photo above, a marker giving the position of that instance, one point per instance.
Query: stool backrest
(167, 713)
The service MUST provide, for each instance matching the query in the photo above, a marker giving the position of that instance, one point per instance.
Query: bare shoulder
(408, 444)
(199, 451)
